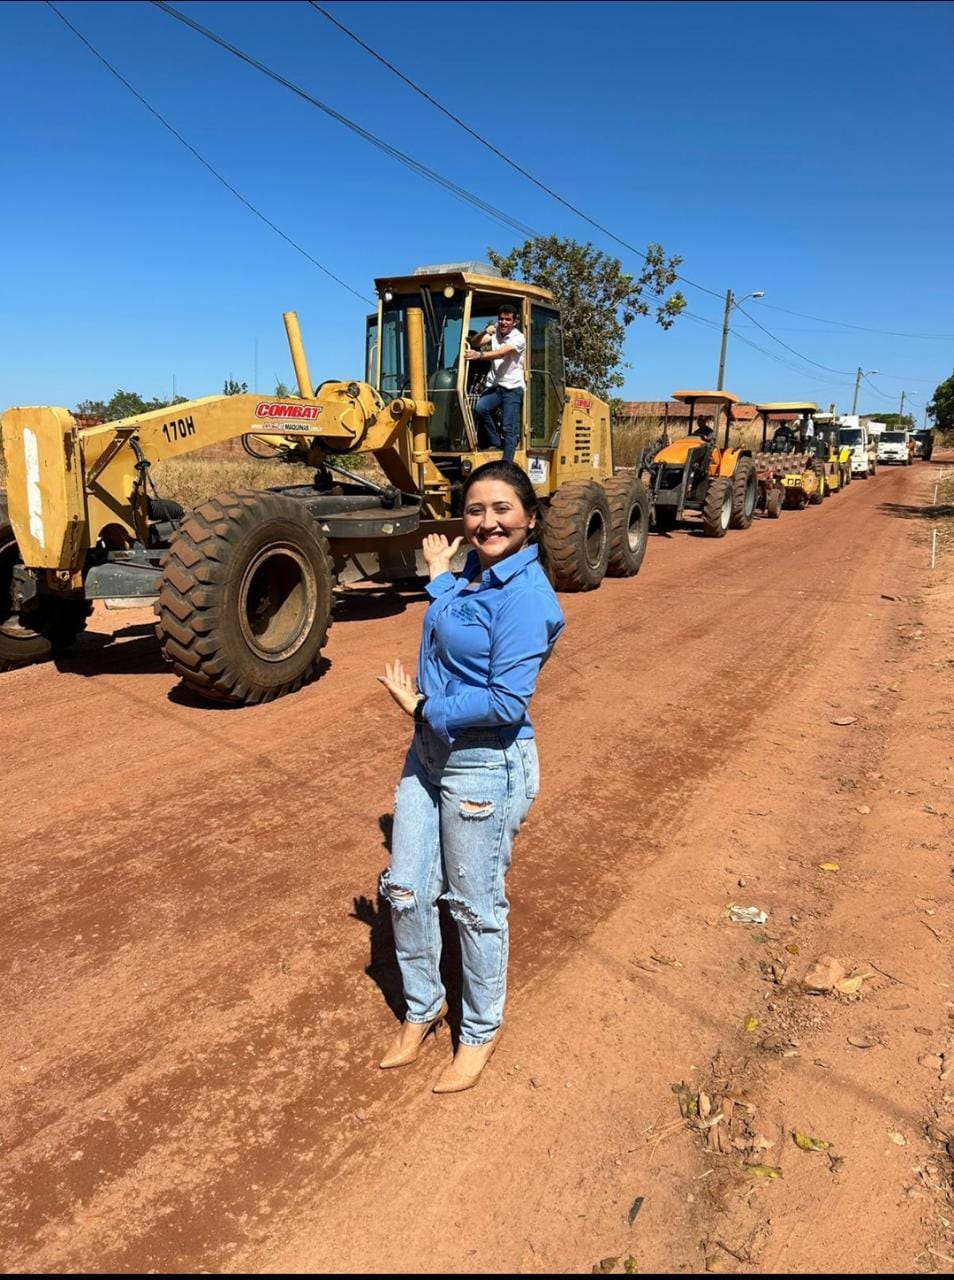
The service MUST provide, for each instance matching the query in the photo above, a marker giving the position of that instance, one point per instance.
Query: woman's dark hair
(519, 482)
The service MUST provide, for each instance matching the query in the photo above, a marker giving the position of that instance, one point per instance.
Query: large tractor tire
(774, 500)
(717, 507)
(818, 497)
(577, 536)
(629, 524)
(245, 603)
(745, 493)
(42, 633)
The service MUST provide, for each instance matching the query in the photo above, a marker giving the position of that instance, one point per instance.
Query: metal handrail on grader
(243, 585)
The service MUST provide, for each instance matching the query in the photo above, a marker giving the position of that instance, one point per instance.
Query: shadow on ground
(902, 511)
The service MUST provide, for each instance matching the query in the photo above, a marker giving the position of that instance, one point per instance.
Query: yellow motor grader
(243, 585)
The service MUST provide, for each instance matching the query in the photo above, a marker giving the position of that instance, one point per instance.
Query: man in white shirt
(504, 345)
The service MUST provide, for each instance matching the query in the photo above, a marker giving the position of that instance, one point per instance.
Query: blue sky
(801, 149)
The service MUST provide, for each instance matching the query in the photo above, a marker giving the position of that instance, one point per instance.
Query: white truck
(893, 447)
(854, 432)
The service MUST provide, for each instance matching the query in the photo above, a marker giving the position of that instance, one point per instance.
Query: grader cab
(243, 585)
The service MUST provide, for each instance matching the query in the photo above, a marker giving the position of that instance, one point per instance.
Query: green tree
(92, 409)
(941, 408)
(598, 300)
(893, 421)
(125, 404)
(281, 390)
(233, 388)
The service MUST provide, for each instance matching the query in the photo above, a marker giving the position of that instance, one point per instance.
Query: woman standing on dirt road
(471, 772)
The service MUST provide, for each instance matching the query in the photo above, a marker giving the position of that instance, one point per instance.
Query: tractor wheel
(818, 497)
(577, 536)
(717, 508)
(664, 519)
(629, 524)
(43, 632)
(745, 492)
(773, 503)
(245, 603)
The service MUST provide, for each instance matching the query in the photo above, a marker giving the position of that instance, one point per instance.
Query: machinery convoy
(243, 585)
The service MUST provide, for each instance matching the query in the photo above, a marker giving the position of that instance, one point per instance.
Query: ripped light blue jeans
(457, 809)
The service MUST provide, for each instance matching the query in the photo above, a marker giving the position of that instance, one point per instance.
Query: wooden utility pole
(725, 337)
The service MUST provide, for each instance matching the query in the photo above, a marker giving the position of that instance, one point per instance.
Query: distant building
(675, 412)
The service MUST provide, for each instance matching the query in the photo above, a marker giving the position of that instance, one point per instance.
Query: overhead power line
(770, 355)
(878, 392)
(843, 324)
(498, 215)
(201, 159)
(807, 359)
(501, 155)
(567, 204)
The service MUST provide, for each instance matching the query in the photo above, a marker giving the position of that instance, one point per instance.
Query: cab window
(547, 376)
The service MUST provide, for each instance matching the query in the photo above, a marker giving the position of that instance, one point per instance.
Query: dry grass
(630, 437)
(190, 481)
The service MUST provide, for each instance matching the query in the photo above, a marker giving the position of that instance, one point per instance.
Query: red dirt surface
(197, 981)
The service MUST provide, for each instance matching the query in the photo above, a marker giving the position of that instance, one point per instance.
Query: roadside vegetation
(632, 436)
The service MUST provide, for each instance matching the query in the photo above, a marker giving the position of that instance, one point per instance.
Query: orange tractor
(694, 474)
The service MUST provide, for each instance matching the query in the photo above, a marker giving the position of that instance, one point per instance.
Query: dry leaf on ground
(805, 1143)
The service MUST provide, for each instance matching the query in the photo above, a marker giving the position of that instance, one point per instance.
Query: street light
(731, 302)
(862, 373)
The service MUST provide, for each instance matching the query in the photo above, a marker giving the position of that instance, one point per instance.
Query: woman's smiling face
(495, 521)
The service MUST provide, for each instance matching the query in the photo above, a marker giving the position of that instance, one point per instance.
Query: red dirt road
(196, 982)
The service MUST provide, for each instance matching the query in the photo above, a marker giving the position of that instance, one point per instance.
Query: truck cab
(893, 448)
(854, 433)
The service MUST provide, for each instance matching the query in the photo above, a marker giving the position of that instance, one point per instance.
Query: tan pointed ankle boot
(464, 1072)
(410, 1039)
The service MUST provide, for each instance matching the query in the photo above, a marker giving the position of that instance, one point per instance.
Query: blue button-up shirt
(482, 648)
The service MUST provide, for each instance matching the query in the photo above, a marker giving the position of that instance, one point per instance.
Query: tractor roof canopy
(725, 399)
(788, 406)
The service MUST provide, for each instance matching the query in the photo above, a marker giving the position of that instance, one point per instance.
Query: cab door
(547, 380)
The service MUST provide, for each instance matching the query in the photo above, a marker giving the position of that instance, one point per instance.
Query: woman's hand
(400, 686)
(438, 555)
